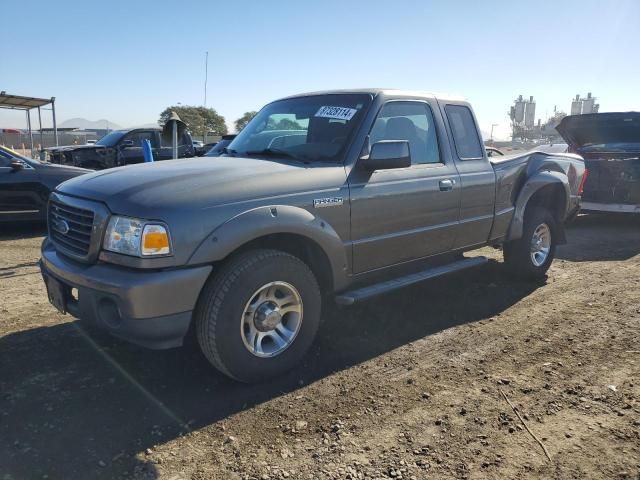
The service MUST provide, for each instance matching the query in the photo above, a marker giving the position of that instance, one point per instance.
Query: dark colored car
(218, 149)
(122, 147)
(610, 146)
(25, 185)
(201, 148)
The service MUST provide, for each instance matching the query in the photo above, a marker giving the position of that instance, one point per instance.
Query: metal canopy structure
(18, 102)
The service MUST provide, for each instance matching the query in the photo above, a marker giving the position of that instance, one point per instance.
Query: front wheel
(257, 317)
(530, 256)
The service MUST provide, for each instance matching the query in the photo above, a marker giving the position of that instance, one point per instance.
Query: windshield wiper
(275, 152)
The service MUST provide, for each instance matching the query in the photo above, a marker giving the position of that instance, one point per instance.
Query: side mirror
(16, 165)
(388, 154)
(126, 144)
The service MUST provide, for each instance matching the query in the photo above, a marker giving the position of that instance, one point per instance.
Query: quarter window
(465, 132)
(411, 121)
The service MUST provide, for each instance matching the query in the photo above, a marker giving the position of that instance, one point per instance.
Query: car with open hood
(610, 146)
(122, 147)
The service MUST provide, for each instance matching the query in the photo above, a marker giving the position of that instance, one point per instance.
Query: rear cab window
(465, 132)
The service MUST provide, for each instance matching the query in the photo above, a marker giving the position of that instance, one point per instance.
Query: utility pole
(492, 125)
(206, 75)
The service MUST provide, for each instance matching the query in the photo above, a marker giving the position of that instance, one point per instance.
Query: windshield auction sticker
(339, 113)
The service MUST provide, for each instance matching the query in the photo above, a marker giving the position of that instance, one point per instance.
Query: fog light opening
(109, 313)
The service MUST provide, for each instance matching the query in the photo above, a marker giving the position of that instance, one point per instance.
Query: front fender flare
(529, 189)
(274, 219)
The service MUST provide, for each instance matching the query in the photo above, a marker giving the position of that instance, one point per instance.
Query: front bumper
(151, 308)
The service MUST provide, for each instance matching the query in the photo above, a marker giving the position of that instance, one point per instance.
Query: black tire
(517, 253)
(221, 305)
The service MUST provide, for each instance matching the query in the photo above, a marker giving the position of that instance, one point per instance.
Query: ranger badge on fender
(327, 202)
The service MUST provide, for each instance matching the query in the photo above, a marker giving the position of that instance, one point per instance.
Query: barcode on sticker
(339, 113)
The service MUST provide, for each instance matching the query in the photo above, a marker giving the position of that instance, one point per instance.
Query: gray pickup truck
(341, 194)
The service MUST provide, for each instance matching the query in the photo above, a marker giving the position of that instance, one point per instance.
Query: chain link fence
(21, 142)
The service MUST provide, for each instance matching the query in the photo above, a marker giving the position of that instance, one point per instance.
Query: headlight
(133, 236)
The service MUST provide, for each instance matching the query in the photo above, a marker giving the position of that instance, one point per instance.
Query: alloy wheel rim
(540, 244)
(271, 319)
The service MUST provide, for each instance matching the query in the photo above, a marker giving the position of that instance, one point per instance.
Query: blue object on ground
(146, 150)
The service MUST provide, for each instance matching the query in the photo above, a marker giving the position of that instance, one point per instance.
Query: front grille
(70, 227)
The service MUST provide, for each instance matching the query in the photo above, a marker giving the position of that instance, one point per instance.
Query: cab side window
(139, 137)
(465, 132)
(410, 121)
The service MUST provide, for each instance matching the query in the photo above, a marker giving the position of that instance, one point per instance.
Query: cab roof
(383, 91)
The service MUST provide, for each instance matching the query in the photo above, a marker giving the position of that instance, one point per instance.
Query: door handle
(447, 185)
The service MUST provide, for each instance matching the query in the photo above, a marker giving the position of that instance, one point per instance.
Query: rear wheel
(257, 317)
(530, 256)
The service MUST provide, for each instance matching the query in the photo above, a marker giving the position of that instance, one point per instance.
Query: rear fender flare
(534, 184)
(274, 219)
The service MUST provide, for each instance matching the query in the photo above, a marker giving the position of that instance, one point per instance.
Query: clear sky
(127, 60)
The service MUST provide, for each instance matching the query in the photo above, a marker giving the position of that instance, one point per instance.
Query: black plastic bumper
(150, 308)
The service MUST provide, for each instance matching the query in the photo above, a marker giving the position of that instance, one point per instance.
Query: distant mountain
(102, 124)
(85, 124)
(146, 125)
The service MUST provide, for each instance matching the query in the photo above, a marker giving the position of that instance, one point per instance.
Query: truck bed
(513, 170)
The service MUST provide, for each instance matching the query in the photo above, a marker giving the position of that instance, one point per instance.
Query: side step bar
(349, 298)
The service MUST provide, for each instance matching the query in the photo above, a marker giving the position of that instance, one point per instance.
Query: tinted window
(11, 155)
(110, 139)
(5, 159)
(465, 133)
(139, 137)
(409, 121)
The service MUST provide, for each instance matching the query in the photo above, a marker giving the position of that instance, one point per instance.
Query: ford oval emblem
(61, 226)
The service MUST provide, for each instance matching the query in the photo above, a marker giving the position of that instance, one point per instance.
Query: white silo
(519, 109)
(588, 103)
(530, 113)
(576, 106)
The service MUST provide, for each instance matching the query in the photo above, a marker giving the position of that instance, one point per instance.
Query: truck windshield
(311, 128)
(110, 139)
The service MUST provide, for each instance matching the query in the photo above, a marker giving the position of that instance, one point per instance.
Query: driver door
(404, 214)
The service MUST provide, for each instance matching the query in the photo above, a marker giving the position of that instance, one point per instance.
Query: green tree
(199, 120)
(283, 124)
(286, 124)
(243, 120)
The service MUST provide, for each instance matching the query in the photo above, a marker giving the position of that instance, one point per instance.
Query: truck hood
(168, 188)
(599, 128)
(68, 148)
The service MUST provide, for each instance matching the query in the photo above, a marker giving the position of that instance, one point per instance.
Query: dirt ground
(411, 385)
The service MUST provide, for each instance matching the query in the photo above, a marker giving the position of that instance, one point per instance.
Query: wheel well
(299, 246)
(553, 198)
